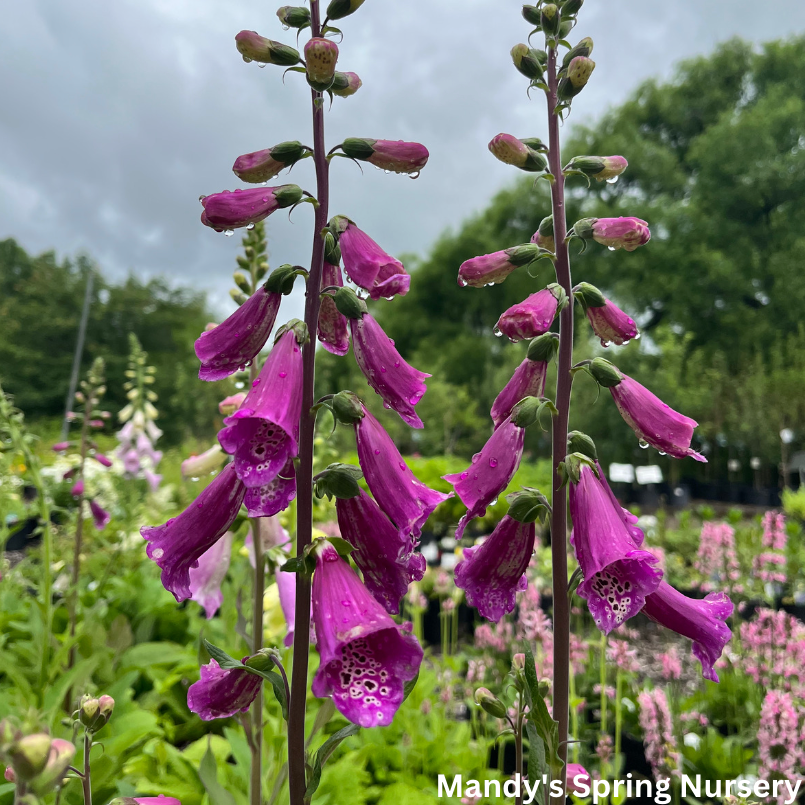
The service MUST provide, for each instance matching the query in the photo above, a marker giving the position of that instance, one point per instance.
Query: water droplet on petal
(643, 444)
(605, 343)
(229, 232)
(158, 553)
(612, 248)
(263, 64)
(493, 462)
(249, 226)
(345, 603)
(498, 332)
(386, 406)
(464, 475)
(283, 374)
(402, 465)
(461, 281)
(383, 369)
(476, 457)
(612, 180)
(255, 383)
(246, 59)
(415, 175)
(377, 451)
(396, 364)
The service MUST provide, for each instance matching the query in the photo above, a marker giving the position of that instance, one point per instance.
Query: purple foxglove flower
(230, 210)
(152, 479)
(345, 84)
(230, 404)
(389, 155)
(333, 329)
(177, 545)
(78, 488)
(616, 233)
(611, 324)
(366, 264)
(533, 316)
(648, 416)
(102, 459)
(238, 340)
(60, 447)
(492, 269)
(286, 587)
(146, 450)
(131, 461)
(385, 557)
(629, 519)
(262, 434)
(702, 621)
(321, 55)
(209, 461)
(398, 383)
(254, 47)
(366, 658)
(211, 570)
(160, 800)
(275, 496)
(100, 517)
(494, 571)
(261, 166)
(490, 472)
(220, 693)
(272, 535)
(617, 576)
(577, 777)
(519, 153)
(598, 168)
(528, 379)
(398, 492)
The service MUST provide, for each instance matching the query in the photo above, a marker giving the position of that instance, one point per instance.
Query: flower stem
(618, 718)
(304, 472)
(86, 783)
(561, 608)
(518, 746)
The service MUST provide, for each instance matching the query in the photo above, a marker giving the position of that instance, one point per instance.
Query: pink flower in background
(623, 656)
(780, 748)
(206, 578)
(100, 516)
(659, 741)
(717, 560)
(671, 666)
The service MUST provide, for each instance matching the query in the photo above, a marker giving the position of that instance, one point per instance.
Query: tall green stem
(618, 718)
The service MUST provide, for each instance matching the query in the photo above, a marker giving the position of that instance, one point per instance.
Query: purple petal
(221, 694)
(333, 330)
(206, 578)
(528, 380)
(368, 266)
(530, 318)
(274, 497)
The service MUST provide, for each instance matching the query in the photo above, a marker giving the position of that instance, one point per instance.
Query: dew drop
(229, 232)
(493, 462)
(612, 180)
(612, 248)
(415, 175)
(396, 364)
(262, 64)
(662, 453)
(283, 374)
(643, 444)
(286, 27)
(386, 406)
(249, 226)
(383, 369)
(377, 451)
(402, 465)
(200, 505)
(247, 59)
(605, 343)
(387, 172)
(255, 383)
(239, 385)
(345, 603)
(464, 475)
(461, 281)
(498, 332)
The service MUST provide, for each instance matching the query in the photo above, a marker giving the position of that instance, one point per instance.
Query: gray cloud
(117, 116)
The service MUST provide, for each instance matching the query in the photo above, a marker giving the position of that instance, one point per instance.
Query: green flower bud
(254, 47)
(347, 408)
(321, 55)
(242, 282)
(238, 297)
(578, 74)
(529, 61)
(543, 348)
(282, 279)
(523, 255)
(490, 703)
(332, 254)
(243, 262)
(511, 151)
(550, 19)
(583, 48)
(29, 755)
(60, 756)
(287, 195)
(339, 481)
(294, 16)
(345, 84)
(343, 8)
(526, 412)
(589, 295)
(518, 662)
(527, 506)
(571, 7)
(578, 442)
(260, 661)
(605, 373)
(349, 304)
(88, 710)
(531, 14)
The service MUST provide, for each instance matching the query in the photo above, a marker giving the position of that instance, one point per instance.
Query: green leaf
(208, 774)
(323, 755)
(222, 658)
(547, 728)
(409, 686)
(536, 758)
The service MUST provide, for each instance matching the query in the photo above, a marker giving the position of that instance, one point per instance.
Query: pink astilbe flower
(779, 736)
(770, 565)
(533, 316)
(774, 535)
(230, 210)
(497, 638)
(262, 434)
(366, 658)
(222, 693)
(660, 744)
(207, 576)
(623, 656)
(774, 650)
(333, 329)
(671, 665)
(604, 749)
(716, 559)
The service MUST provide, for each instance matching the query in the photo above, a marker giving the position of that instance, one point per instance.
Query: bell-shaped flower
(492, 269)
(230, 404)
(616, 233)
(384, 555)
(608, 321)
(649, 417)
(286, 588)
(102, 459)
(227, 210)
(394, 156)
(491, 470)
(261, 166)
(177, 545)
(528, 379)
(533, 316)
(209, 461)
(366, 658)
(275, 496)
(492, 573)
(702, 621)
(131, 461)
(100, 517)
(629, 519)
(598, 168)
(78, 488)
(207, 576)
(345, 84)
(366, 264)
(263, 433)
(222, 693)
(617, 576)
(398, 492)
(333, 330)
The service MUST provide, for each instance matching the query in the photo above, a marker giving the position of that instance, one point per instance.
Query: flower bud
(543, 237)
(578, 442)
(543, 348)
(617, 233)
(88, 710)
(388, 155)
(550, 19)
(518, 662)
(578, 74)
(490, 703)
(260, 166)
(347, 408)
(529, 61)
(332, 252)
(526, 412)
(242, 282)
(589, 295)
(254, 47)
(571, 7)
(565, 28)
(531, 14)
(598, 168)
(605, 373)
(59, 759)
(29, 755)
(527, 506)
(342, 8)
(338, 481)
(321, 56)
(583, 48)
(294, 16)
(345, 84)
(349, 304)
(511, 151)
(9, 775)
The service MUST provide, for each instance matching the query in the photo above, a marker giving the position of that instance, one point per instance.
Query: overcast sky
(115, 115)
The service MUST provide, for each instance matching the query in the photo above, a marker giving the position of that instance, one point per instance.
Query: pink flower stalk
(604, 749)
(333, 330)
(492, 269)
(263, 433)
(230, 404)
(577, 777)
(397, 382)
(222, 693)
(658, 734)
(769, 567)
(648, 416)
(177, 545)
(227, 210)
(492, 573)
(702, 621)
(498, 638)
(779, 737)
(275, 496)
(102, 459)
(207, 576)
(366, 658)
(399, 493)
(617, 576)
(774, 650)
(385, 556)
(774, 535)
(490, 472)
(671, 665)
(717, 560)
(237, 341)
(209, 461)
(388, 155)
(616, 233)
(366, 264)
(531, 317)
(100, 517)
(623, 657)
(131, 461)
